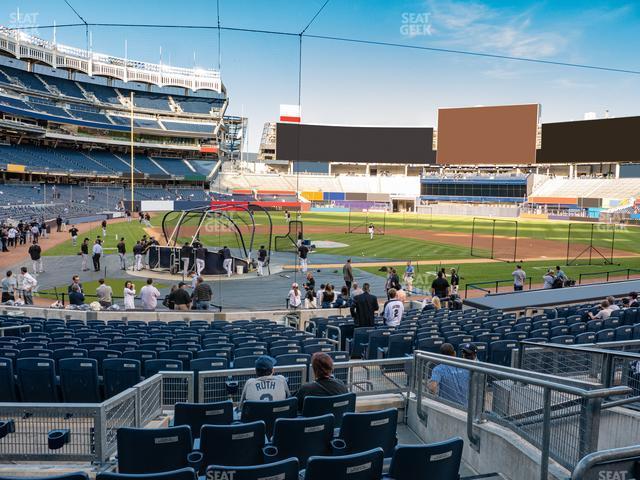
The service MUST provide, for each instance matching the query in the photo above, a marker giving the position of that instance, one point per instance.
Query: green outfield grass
(130, 231)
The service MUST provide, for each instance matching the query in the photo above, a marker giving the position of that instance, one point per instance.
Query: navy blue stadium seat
(36, 353)
(431, 345)
(184, 356)
(283, 470)
(284, 350)
(357, 344)
(64, 476)
(7, 380)
(153, 450)
(337, 405)
(594, 325)
(400, 346)
(624, 333)
(311, 349)
(586, 337)
(151, 367)
(417, 462)
(236, 445)
(181, 474)
(119, 374)
(141, 355)
(301, 437)
(102, 355)
(577, 328)
(563, 339)
(36, 380)
(606, 335)
(293, 359)
(248, 361)
(367, 430)
(360, 466)
(269, 412)
(79, 380)
(195, 415)
(249, 351)
(500, 352)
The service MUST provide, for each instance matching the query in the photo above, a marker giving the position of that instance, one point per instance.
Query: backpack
(557, 283)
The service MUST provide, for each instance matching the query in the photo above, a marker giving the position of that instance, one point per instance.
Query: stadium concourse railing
(614, 464)
(559, 416)
(492, 283)
(621, 272)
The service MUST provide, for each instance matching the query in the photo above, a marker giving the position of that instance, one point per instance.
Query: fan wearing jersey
(266, 387)
(393, 309)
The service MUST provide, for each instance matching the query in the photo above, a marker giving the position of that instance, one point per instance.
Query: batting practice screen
(495, 239)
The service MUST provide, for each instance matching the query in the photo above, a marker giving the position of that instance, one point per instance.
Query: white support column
(617, 166)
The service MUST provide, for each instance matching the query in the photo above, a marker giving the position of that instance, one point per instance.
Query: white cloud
(478, 27)
(571, 84)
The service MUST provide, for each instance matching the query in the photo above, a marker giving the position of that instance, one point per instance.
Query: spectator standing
(149, 295)
(355, 290)
(122, 253)
(262, 258)
(76, 297)
(227, 261)
(347, 274)
(266, 387)
(319, 294)
(548, 279)
(73, 231)
(365, 307)
(180, 298)
(519, 276)
(9, 287)
(408, 277)
(455, 281)
(75, 280)
(393, 310)
(310, 301)
(35, 231)
(294, 297)
(29, 284)
(201, 295)
(35, 252)
(104, 293)
(11, 236)
(440, 287)
(328, 296)
(325, 383)
(310, 284)
(97, 254)
(303, 254)
(84, 252)
(448, 382)
(129, 294)
(185, 257)
(342, 299)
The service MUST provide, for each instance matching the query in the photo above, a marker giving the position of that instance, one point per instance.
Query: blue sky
(371, 85)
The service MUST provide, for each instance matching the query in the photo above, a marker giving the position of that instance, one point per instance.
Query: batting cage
(494, 238)
(289, 241)
(590, 243)
(360, 221)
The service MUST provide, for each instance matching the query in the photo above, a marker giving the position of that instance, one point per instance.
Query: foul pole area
(131, 148)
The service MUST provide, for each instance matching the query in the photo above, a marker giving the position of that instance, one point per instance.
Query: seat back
(195, 415)
(237, 445)
(184, 356)
(181, 474)
(303, 437)
(269, 412)
(119, 374)
(102, 355)
(360, 466)
(337, 405)
(437, 460)
(79, 380)
(7, 381)
(367, 430)
(151, 450)
(500, 352)
(37, 380)
(151, 367)
(283, 470)
(248, 361)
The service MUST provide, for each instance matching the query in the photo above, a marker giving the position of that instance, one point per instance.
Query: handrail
(583, 347)
(14, 327)
(608, 272)
(533, 378)
(496, 283)
(603, 456)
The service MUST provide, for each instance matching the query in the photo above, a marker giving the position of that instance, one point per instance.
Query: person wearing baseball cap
(469, 351)
(266, 387)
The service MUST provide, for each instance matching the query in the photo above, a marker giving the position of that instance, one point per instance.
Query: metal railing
(624, 271)
(617, 463)
(559, 416)
(590, 363)
(495, 284)
(17, 328)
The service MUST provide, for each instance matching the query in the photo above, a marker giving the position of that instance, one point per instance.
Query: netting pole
(493, 237)
(384, 223)
(591, 244)
(473, 230)
(613, 242)
(515, 245)
(568, 242)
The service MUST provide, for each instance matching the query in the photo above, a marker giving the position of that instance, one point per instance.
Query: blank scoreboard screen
(328, 143)
(503, 135)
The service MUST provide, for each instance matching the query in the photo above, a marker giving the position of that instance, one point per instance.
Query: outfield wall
(471, 210)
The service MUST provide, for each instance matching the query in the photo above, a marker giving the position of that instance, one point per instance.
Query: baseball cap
(469, 348)
(294, 285)
(265, 362)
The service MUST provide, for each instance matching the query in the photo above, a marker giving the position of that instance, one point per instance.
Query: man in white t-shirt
(266, 387)
(29, 285)
(519, 276)
(149, 295)
(393, 309)
(604, 313)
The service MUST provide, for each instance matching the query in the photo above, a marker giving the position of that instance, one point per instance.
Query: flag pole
(131, 148)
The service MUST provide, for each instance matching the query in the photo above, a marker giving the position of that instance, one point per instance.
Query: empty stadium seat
(360, 466)
(237, 445)
(418, 462)
(337, 405)
(269, 412)
(64, 476)
(195, 415)
(367, 430)
(119, 374)
(181, 474)
(151, 367)
(37, 380)
(79, 380)
(7, 382)
(282, 470)
(301, 438)
(152, 450)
